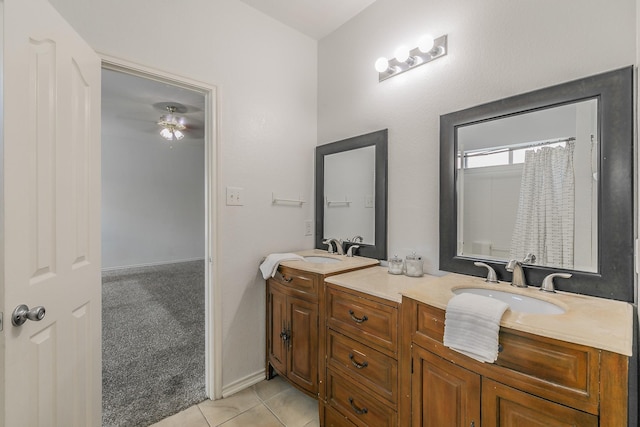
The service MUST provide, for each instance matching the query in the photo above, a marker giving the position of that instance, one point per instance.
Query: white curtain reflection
(546, 210)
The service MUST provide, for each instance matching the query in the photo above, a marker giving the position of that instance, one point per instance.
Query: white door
(50, 219)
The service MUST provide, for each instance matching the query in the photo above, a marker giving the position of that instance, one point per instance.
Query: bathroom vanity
(551, 370)
(295, 307)
(393, 370)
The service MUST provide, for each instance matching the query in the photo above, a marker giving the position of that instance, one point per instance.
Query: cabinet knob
(357, 319)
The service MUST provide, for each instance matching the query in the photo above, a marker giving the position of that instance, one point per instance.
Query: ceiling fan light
(178, 134)
(167, 134)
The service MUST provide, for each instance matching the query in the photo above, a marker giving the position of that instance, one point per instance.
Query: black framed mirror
(351, 193)
(608, 100)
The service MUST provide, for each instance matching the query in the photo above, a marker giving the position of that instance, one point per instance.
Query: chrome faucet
(515, 266)
(357, 239)
(547, 283)
(338, 243)
(351, 249)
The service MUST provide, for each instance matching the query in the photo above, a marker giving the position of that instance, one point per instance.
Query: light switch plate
(234, 196)
(308, 228)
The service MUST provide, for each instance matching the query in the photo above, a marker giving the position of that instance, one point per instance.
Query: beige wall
(266, 79)
(496, 49)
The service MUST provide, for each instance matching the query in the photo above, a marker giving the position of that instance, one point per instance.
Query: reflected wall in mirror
(527, 184)
(349, 203)
(351, 193)
(492, 161)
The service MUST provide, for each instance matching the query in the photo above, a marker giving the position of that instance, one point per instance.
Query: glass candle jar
(413, 265)
(395, 265)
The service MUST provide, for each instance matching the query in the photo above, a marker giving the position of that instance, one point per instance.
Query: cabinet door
(303, 356)
(276, 326)
(506, 406)
(443, 394)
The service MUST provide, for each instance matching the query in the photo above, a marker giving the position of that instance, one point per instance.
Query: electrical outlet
(368, 201)
(234, 196)
(308, 228)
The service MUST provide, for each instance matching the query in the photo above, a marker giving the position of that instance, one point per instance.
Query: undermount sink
(321, 259)
(517, 302)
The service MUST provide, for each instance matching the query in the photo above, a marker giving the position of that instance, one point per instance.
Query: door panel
(51, 220)
(278, 324)
(443, 394)
(303, 358)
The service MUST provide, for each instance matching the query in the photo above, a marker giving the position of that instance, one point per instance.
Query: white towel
(270, 265)
(472, 324)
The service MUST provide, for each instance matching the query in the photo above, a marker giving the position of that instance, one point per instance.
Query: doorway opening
(158, 230)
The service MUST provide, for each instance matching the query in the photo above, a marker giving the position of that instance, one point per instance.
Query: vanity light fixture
(172, 125)
(427, 50)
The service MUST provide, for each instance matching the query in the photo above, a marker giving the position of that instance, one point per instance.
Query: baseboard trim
(150, 264)
(243, 383)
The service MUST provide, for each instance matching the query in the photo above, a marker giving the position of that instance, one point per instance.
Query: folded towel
(471, 326)
(270, 265)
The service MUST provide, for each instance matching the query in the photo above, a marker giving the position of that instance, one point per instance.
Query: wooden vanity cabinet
(535, 381)
(361, 359)
(292, 328)
(295, 332)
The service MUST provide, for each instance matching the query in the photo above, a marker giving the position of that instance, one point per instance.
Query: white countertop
(596, 322)
(346, 263)
(376, 281)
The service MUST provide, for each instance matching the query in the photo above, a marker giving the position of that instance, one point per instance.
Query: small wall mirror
(351, 193)
(548, 173)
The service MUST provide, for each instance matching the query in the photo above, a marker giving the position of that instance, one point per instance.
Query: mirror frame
(378, 139)
(614, 91)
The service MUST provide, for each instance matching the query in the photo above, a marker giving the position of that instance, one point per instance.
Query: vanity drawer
(372, 370)
(358, 406)
(333, 418)
(296, 280)
(366, 320)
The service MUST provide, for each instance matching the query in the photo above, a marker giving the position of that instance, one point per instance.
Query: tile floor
(273, 403)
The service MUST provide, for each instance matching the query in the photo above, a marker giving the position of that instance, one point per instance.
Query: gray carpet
(152, 342)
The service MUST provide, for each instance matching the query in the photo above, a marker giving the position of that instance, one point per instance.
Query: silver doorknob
(22, 313)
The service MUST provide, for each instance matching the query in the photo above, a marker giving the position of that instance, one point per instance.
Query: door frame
(213, 306)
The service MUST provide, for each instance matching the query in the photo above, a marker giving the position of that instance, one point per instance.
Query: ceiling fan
(172, 125)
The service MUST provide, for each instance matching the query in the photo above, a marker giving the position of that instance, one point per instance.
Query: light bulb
(382, 64)
(425, 44)
(402, 53)
(166, 134)
(179, 135)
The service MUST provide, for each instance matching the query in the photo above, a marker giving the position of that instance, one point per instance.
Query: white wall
(152, 200)
(496, 49)
(266, 78)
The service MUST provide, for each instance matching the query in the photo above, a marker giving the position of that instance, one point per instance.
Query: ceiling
(135, 104)
(315, 18)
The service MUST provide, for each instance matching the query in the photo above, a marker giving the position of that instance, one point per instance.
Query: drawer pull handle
(356, 364)
(356, 409)
(356, 319)
(287, 280)
(500, 348)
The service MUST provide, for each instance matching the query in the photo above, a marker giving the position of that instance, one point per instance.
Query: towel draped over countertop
(472, 324)
(270, 265)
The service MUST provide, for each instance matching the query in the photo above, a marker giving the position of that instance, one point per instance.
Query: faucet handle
(491, 273)
(547, 283)
(330, 244)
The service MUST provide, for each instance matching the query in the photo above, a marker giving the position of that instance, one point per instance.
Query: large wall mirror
(547, 173)
(351, 193)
